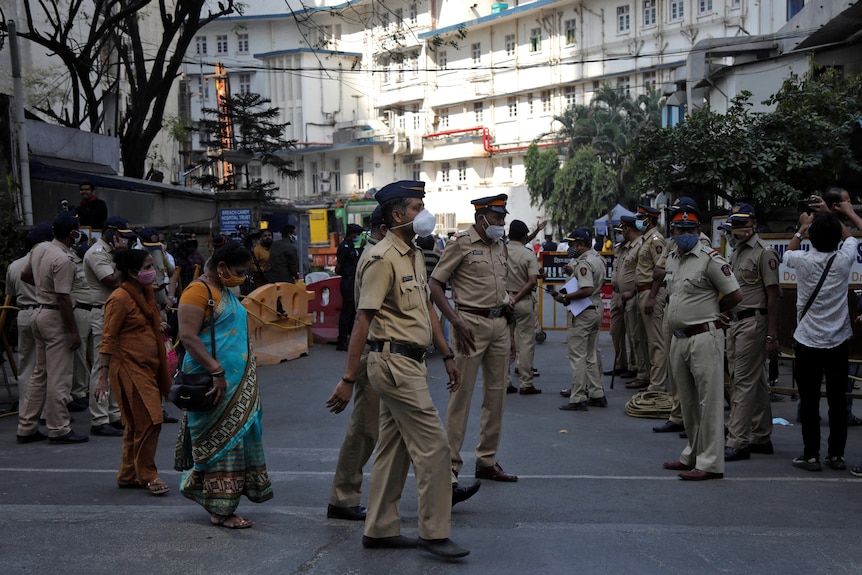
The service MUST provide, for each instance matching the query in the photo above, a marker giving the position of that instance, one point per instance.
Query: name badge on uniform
(406, 279)
(477, 252)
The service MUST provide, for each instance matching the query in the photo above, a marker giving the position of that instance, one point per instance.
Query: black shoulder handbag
(189, 390)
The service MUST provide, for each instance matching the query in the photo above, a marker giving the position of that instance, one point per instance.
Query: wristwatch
(770, 338)
(798, 235)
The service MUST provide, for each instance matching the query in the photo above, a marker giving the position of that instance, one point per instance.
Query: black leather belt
(696, 329)
(88, 307)
(47, 306)
(414, 353)
(747, 313)
(484, 312)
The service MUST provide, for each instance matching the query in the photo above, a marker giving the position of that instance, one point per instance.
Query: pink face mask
(146, 277)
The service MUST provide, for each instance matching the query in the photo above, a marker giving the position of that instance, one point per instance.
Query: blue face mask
(573, 252)
(686, 241)
(641, 225)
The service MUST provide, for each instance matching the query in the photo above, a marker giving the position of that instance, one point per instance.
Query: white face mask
(494, 233)
(423, 224)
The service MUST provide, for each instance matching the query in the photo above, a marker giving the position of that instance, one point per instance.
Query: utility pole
(23, 154)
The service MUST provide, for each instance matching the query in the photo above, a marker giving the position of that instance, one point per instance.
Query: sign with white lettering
(787, 276)
(233, 219)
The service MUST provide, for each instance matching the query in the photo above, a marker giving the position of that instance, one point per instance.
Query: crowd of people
(93, 326)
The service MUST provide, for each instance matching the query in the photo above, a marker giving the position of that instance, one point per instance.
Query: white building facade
(447, 91)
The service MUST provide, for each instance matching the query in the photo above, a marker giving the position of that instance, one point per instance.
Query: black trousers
(348, 311)
(809, 369)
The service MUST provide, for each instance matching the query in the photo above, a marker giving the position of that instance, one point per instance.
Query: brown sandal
(220, 521)
(157, 487)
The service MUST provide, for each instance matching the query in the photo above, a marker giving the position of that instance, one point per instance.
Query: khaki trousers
(410, 430)
(51, 381)
(698, 369)
(655, 339)
(90, 323)
(492, 355)
(675, 411)
(618, 331)
(525, 340)
(359, 440)
(635, 328)
(581, 336)
(140, 439)
(26, 350)
(750, 410)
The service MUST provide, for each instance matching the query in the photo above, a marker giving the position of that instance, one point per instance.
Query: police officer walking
(752, 335)
(474, 262)
(396, 319)
(696, 276)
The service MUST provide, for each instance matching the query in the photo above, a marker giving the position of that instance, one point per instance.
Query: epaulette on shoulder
(376, 257)
(711, 252)
(460, 234)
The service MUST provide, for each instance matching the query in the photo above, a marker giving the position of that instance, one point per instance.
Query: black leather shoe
(460, 494)
(733, 454)
(394, 542)
(565, 392)
(356, 513)
(106, 430)
(668, 427)
(442, 548)
(118, 425)
(70, 437)
(619, 371)
(168, 418)
(763, 448)
(35, 436)
(628, 374)
(853, 421)
(511, 389)
(580, 406)
(78, 404)
(529, 391)
(598, 401)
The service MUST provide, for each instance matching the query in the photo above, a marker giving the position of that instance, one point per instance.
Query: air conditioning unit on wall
(325, 187)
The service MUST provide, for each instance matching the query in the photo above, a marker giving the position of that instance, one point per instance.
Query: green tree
(241, 131)
(541, 167)
(585, 188)
(94, 40)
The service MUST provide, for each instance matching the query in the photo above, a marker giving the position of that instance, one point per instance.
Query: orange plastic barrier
(325, 309)
(279, 323)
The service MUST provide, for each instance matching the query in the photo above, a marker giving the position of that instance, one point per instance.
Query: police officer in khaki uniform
(629, 295)
(24, 295)
(583, 329)
(696, 277)
(474, 262)
(674, 421)
(361, 435)
(51, 270)
(102, 278)
(651, 299)
(752, 335)
(521, 284)
(624, 365)
(397, 321)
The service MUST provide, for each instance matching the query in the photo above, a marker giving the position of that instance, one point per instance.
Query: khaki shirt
(649, 255)
(476, 270)
(98, 264)
(589, 269)
(24, 293)
(755, 266)
(393, 284)
(363, 257)
(694, 282)
(629, 265)
(620, 252)
(671, 245)
(53, 271)
(80, 286)
(522, 264)
(261, 254)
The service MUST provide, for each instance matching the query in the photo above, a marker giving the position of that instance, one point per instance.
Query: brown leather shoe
(637, 384)
(529, 391)
(698, 475)
(566, 392)
(676, 466)
(494, 473)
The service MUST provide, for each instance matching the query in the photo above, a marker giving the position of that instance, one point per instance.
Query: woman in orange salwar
(132, 357)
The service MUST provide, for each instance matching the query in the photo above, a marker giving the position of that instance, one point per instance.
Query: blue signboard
(230, 219)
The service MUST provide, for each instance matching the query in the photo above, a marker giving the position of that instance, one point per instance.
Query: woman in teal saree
(221, 449)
